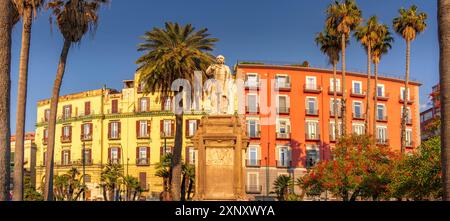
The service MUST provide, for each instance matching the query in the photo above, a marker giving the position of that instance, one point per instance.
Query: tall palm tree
(174, 52)
(444, 42)
(8, 16)
(74, 18)
(380, 48)
(330, 45)
(367, 35)
(409, 24)
(25, 8)
(342, 18)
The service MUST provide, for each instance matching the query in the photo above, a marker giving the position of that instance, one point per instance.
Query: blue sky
(265, 30)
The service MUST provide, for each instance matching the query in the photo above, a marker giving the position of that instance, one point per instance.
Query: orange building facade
(298, 131)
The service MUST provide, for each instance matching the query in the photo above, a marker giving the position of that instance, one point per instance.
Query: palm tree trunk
(369, 75)
(335, 106)
(191, 182)
(5, 95)
(21, 105)
(183, 188)
(48, 191)
(405, 99)
(374, 126)
(344, 91)
(444, 42)
(176, 160)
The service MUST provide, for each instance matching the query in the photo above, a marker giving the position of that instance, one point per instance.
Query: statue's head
(220, 59)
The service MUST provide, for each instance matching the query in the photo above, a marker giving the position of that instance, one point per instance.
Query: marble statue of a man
(220, 93)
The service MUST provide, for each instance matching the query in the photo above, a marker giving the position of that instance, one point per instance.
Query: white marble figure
(221, 95)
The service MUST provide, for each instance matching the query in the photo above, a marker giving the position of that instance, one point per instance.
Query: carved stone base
(220, 142)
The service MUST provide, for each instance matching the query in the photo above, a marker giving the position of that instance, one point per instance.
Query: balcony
(383, 118)
(88, 162)
(283, 136)
(86, 137)
(312, 136)
(253, 189)
(359, 116)
(283, 86)
(339, 114)
(283, 110)
(410, 144)
(254, 134)
(252, 163)
(383, 97)
(66, 139)
(168, 135)
(383, 142)
(332, 137)
(402, 100)
(312, 112)
(359, 94)
(409, 121)
(283, 163)
(143, 161)
(331, 91)
(252, 84)
(251, 110)
(114, 161)
(143, 136)
(45, 141)
(64, 163)
(312, 88)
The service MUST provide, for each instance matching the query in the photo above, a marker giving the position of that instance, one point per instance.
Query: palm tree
(342, 18)
(188, 172)
(110, 180)
(409, 24)
(368, 35)
(380, 48)
(69, 186)
(8, 17)
(25, 8)
(281, 187)
(164, 170)
(132, 188)
(174, 52)
(74, 19)
(444, 42)
(330, 45)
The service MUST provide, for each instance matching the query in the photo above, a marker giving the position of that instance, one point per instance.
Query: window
(382, 134)
(66, 133)
(253, 128)
(338, 85)
(408, 138)
(114, 106)
(408, 115)
(143, 129)
(46, 115)
(142, 156)
(45, 135)
(358, 129)
(143, 104)
(311, 83)
(167, 104)
(402, 93)
(253, 183)
(381, 115)
(65, 157)
(192, 126)
(87, 108)
(114, 130)
(380, 90)
(114, 155)
(311, 106)
(333, 131)
(252, 156)
(252, 103)
(312, 155)
(67, 111)
(357, 109)
(86, 133)
(312, 130)
(282, 81)
(167, 128)
(190, 155)
(87, 156)
(165, 150)
(335, 103)
(283, 128)
(283, 157)
(283, 104)
(252, 80)
(357, 87)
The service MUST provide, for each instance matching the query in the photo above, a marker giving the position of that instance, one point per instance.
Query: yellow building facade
(126, 127)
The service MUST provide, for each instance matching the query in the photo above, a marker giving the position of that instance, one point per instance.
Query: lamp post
(84, 171)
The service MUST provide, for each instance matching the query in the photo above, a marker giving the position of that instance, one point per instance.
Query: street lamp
(84, 171)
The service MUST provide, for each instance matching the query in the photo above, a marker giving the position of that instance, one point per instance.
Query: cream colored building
(125, 127)
(29, 155)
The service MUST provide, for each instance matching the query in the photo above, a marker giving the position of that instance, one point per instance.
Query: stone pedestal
(220, 142)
